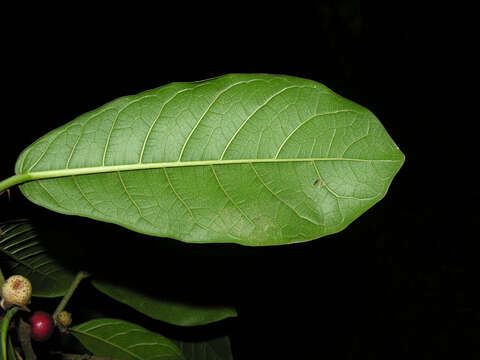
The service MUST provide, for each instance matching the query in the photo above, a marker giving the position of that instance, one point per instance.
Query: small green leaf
(215, 349)
(253, 159)
(23, 253)
(173, 312)
(122, 340)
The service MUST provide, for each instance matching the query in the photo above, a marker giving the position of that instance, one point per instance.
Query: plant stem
(24, 335)
(80, 276)
(4, 330)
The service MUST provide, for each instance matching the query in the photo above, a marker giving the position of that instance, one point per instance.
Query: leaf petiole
(13, 180)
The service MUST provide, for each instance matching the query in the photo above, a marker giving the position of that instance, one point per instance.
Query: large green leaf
(253, 159)
(215, 349)
(173, 312)
(22, 253)
(119, 339)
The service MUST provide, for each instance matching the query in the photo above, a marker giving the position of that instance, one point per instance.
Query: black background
(400, 282)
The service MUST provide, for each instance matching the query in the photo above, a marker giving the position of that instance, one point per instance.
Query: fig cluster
(17, 291)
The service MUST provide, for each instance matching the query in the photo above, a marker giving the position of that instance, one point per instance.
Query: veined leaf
(119, 339)
(250, 159)
(23, 254)
(215, 349)
(177, 313)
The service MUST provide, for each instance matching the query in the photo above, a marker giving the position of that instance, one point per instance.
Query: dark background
(400, 282)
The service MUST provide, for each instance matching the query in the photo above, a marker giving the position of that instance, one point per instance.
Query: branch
(23, 332)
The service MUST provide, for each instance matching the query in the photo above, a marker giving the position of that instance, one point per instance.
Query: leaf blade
(123, 340)
(164, 156)
(25, 255)
(173, 312)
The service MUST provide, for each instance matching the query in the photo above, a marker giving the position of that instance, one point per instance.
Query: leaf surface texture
(252, 159)
(22, 253)
(120, 339)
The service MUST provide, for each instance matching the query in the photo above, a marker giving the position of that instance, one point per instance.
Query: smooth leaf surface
(177, 313)
(122, 340)
(252, 159)
(215, 349)
(22, 253)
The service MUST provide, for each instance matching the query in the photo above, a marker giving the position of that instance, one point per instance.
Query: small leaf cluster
(101, 336)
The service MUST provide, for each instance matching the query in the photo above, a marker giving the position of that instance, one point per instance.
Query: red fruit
(41, 326)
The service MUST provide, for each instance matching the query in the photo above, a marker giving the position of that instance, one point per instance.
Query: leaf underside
(22, 253)
(252, 159)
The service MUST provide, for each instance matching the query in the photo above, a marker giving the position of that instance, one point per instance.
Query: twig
(23, 332)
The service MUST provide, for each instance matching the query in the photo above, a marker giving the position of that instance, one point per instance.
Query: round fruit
(17, 290)
(64, 318)
(41, 326)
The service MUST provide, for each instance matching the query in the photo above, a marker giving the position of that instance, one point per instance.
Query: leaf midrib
(47, 174)
(37, 175)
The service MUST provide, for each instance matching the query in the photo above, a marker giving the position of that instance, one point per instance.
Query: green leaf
(173, 312)
(215, 349)
(23, 254)
(252, 159)
(119, 339)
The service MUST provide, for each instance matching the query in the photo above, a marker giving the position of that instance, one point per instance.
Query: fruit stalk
(80, 276)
